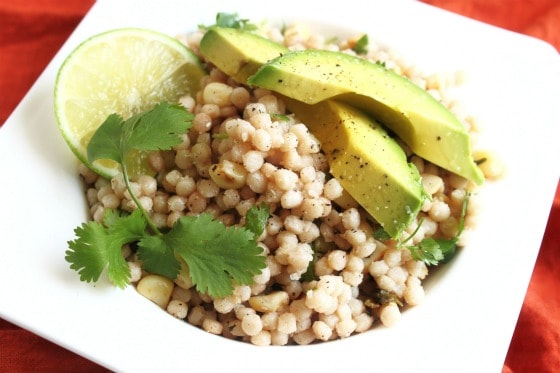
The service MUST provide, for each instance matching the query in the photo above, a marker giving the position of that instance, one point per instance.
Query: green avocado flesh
(422, 122)
(367, 162)
(238, 53)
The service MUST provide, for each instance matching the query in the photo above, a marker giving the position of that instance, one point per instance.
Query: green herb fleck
(309, 274)
(332, 40)
(361, 46)
(383, 297)
(480, 161)
(256, 218)
(220, 136)
(280, 117)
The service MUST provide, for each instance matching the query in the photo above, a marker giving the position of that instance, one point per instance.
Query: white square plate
(468, 317)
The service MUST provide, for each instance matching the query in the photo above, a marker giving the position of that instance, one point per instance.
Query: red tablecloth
(32, 31)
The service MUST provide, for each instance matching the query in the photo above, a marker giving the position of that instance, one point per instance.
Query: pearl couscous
(244, 148)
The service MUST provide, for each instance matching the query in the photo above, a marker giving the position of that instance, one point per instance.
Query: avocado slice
(370, 165)
(422, 122)
(238, 53)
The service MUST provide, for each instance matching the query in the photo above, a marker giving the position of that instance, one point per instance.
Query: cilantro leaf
(256, 218)
(111, 216)
(88, 253)
(448, 248)
(158, 256)
(215, 254)
(127, 228)
(156, 129)
(428, 251)
(97, 247)
(106, 141)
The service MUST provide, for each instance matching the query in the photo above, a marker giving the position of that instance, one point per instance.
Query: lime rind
(124, 71)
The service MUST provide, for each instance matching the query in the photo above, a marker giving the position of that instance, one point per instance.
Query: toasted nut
(269, 303)
(156, 288)
(228, 175)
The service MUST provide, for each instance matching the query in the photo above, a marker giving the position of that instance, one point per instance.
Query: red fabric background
(32, 31)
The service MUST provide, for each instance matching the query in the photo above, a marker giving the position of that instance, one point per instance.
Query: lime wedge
(124, 71)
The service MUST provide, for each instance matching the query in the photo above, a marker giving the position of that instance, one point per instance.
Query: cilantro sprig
(432, 251)
(232, 20)
(217, 256)
(156, 129)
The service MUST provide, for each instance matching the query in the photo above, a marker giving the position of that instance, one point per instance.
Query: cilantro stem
(463, 214)
(137, 201)
(402, 243)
